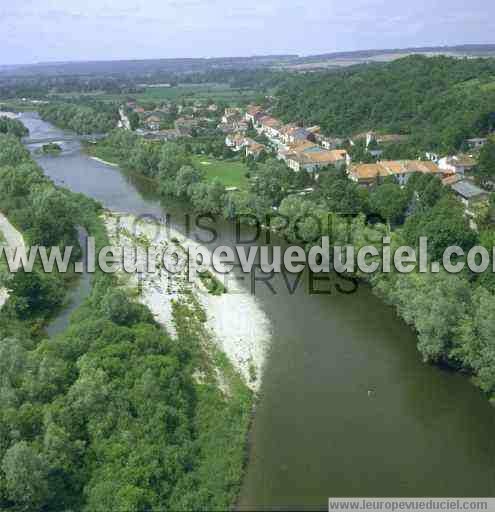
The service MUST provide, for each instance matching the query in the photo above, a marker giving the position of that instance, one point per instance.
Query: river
(346, 407)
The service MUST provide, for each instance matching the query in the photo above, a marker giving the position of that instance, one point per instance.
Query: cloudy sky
(62, 30)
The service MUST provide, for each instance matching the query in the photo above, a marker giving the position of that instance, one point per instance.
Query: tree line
(82, 119)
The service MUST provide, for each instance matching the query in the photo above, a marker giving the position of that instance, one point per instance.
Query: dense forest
(438, 101)
(109, 414)
(82, 119)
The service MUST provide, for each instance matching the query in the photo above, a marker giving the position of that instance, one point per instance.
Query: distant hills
(286, 62)
(149, 66)
(342, 59)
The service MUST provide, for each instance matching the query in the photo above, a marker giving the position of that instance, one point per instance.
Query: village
(253, 133)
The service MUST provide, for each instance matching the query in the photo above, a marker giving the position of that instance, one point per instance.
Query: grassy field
(231, 173)
(201, 92)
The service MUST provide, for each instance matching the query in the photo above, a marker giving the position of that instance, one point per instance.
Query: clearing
(232, 173)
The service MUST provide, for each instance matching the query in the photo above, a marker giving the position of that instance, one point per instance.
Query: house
(476, 143)
(212, 108)
(369, 174)
(296, 134)
(252, 113)
(313, 160)
(237, 141)
(329, 142)
(255, 149)
(457, 164)
(470, 195)
(314, 130)
(434, 157)
(231, 114)
(153, 122)
(162, 135)
(185, 125)
(270, 126)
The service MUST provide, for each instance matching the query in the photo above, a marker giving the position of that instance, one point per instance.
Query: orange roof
(270, 121)
(393, 167)
(301, 146)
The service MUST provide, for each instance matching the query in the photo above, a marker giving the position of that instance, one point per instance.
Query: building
(470, 195)
(329, 142)
(254, 149)
(252, 113)
(476, 143)
(313, 160)
(153, 123)
(270, 127)
(231, 115)
(236, 141)
(457, 164)
(400, 170)
(185, 125)
(291, 134)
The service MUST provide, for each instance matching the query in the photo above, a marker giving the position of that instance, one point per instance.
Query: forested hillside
(439, 101)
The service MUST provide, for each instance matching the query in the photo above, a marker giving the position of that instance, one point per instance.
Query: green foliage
(81, 119)
(51, 148)
(390, 202)
(444, 225)
(432, 99)
(109, 415)
(13, 127)
(486, 162)
(26, 476)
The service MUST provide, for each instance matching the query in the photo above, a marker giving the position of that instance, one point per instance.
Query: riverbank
(235, 322)
(104, 161)
(12, 239)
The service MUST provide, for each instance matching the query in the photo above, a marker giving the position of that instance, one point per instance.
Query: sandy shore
(13, 240)
(235, 321)
(10, 115)
(103, 161)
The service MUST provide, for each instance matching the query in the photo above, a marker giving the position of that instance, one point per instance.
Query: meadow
(232, 173)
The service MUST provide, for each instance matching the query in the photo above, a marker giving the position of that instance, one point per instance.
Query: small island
(51, 149)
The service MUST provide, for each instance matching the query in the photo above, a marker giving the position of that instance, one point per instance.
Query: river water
(346, 408)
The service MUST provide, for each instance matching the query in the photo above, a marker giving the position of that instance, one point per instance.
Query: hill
(439, 101)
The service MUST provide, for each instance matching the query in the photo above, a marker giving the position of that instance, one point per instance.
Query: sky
(69, 30)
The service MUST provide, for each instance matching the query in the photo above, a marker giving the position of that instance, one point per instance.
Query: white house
(457, 164)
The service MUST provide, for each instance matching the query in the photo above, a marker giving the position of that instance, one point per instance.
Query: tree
(390, 202)
(172, 157)
(475, 345)
(186, 177)
(272, 181)
(208, 197)
(340, 194)
(25, 476)
(133, 120)
(444, 225)
(486, 163)
(425, 189)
